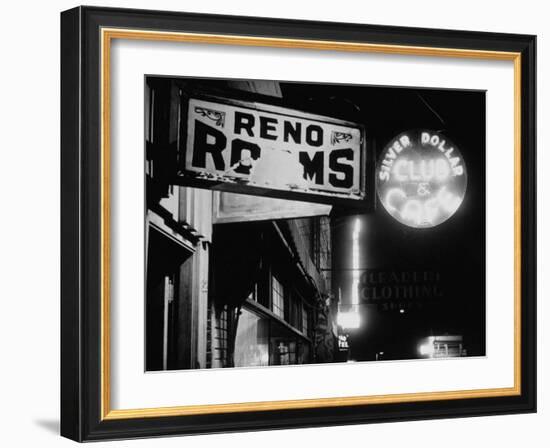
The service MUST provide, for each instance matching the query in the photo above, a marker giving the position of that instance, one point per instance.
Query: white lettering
(405, 170)
(421, 212)
(390, 194)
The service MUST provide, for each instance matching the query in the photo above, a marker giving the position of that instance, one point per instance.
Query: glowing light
(394, 192)
(355, 262)
(349, 319)
(421, 179)
(427, 348)
(397, 171)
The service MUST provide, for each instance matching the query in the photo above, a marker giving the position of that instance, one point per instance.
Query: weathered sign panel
(233, 207)
(259, 146)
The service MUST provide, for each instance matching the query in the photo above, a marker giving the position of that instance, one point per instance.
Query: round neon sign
(421, 178)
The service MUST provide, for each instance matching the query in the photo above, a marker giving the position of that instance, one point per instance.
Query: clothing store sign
(257, 146)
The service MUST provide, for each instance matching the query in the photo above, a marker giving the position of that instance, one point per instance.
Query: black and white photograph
(291, 223)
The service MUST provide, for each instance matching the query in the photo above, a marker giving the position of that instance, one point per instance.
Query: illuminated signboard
(249, 144)
(421, 178)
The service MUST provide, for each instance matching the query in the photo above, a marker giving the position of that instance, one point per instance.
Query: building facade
(232, 280)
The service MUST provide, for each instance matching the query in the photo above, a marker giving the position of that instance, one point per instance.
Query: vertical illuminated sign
(350, 319)
(421, 178)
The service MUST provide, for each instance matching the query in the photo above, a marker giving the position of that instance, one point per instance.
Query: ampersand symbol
(423, 189)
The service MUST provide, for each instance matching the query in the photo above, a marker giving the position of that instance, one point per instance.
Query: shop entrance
(167, 257)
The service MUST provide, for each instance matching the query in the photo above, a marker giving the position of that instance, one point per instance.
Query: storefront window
(285, 352)
(251, 343)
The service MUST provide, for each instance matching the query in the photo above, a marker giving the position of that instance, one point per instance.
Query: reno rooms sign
(263, 149)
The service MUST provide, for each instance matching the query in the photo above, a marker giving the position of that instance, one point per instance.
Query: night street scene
(303, 223)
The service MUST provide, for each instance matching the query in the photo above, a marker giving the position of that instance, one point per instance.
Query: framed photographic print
(273, 224)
